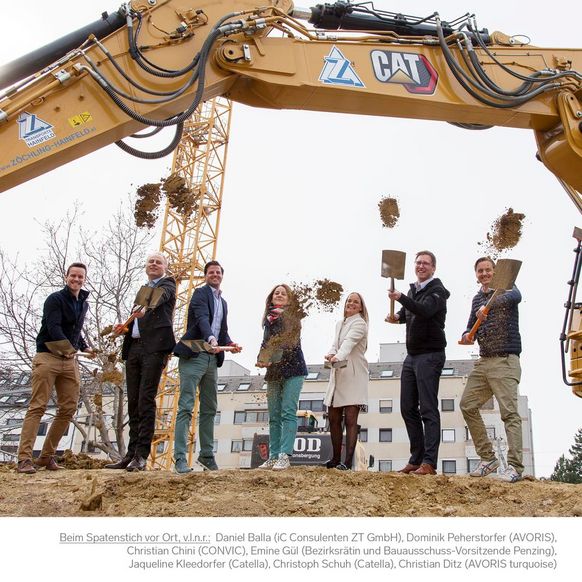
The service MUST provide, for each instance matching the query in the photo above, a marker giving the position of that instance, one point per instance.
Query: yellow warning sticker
(80, 119)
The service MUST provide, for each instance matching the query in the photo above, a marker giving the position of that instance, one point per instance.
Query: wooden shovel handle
(471, 335)
(391, 300)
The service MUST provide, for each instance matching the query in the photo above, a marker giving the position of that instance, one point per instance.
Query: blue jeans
(283, 400)
(199, 371)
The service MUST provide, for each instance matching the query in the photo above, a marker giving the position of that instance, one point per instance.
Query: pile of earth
(299, 491)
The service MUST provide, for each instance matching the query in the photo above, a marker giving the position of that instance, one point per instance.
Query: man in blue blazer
(207, 321)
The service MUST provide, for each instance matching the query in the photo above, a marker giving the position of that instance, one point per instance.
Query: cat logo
(411, 70)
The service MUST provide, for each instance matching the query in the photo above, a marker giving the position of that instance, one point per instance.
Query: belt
(136, 340)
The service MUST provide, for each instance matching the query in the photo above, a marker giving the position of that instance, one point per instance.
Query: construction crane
(190, 241)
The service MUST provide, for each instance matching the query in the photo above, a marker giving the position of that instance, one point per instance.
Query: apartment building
(242, 413)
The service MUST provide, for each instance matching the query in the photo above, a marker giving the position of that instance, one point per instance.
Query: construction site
(186, 204)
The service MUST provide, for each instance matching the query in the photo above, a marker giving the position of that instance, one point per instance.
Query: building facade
(242, 413)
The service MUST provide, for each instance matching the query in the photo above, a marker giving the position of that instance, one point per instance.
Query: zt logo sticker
(339, 71)
(33, 130)
(409, 69)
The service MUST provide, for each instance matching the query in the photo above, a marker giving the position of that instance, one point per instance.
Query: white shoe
(510, 475)
(268, 464)
(282, 462)
(484, 468)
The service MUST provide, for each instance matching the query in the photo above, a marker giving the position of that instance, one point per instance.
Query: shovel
(393, 263)
(198, 346)
(503, 280)
(146, 298)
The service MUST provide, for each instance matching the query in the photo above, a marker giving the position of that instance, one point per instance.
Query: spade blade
(393, 263)
(506, 271)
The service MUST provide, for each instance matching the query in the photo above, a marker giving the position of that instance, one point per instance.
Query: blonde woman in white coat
(348, 386)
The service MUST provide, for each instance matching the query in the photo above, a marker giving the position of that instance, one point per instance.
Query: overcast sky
(300, 203)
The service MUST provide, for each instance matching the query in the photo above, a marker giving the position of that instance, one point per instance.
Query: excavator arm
(164, 57)
(152, 62)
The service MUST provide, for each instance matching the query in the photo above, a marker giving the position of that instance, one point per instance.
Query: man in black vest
(146, 347)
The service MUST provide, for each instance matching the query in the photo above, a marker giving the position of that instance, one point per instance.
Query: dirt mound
(299, 491)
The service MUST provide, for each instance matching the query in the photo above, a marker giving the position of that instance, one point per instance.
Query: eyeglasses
(423, 264)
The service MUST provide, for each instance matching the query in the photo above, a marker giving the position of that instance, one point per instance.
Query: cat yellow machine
(153, 61)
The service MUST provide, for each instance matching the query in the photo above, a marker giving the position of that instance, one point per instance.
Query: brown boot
(49, 463)
(424, 469)
(409, 468)
(25, 467)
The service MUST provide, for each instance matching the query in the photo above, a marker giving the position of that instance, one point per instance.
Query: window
(215, 446)
(385, 406)
(313, 405)
(386, 373)
(159, 447)
(449, 467)
(42, 429)
(217, 417)
(250, 416)
(11, 438)
(384, 466)
(490, 432)
(244, 386)
(254, 416)
(363, 435)
(448, 405)
(20, 400)
(4, 398)
(236, 446)
(448, 372)
(385, 435)
(221, 387)
(247, 444)
(448, 435)
(312, 376)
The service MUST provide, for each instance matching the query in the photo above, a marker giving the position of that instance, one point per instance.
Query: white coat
(348, 386)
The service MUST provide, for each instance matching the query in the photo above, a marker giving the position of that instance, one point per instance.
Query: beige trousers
(499, 377)
(48, 371)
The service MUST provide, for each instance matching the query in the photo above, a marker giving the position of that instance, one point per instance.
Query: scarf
(275, 311)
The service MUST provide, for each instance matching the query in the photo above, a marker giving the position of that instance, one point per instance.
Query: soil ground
(299, 491)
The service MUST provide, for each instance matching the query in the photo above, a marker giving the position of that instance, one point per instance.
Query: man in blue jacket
(497, 373)
(207, 321)
(62, 319)
(423, 311)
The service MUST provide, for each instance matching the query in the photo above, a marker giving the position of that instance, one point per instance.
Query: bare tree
(115, 260)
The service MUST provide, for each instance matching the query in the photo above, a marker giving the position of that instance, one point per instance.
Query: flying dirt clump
(149, 198)
(505, 232)
(322, 295)
(147, 205)
(179, 196)
(389, 211)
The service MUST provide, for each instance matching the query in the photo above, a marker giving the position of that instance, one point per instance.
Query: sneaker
(208, 463)
(268, 464)
(484, 468)
(510, 475)
(342, 467)
(282, 462)
(25, 467)
(181, 466)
